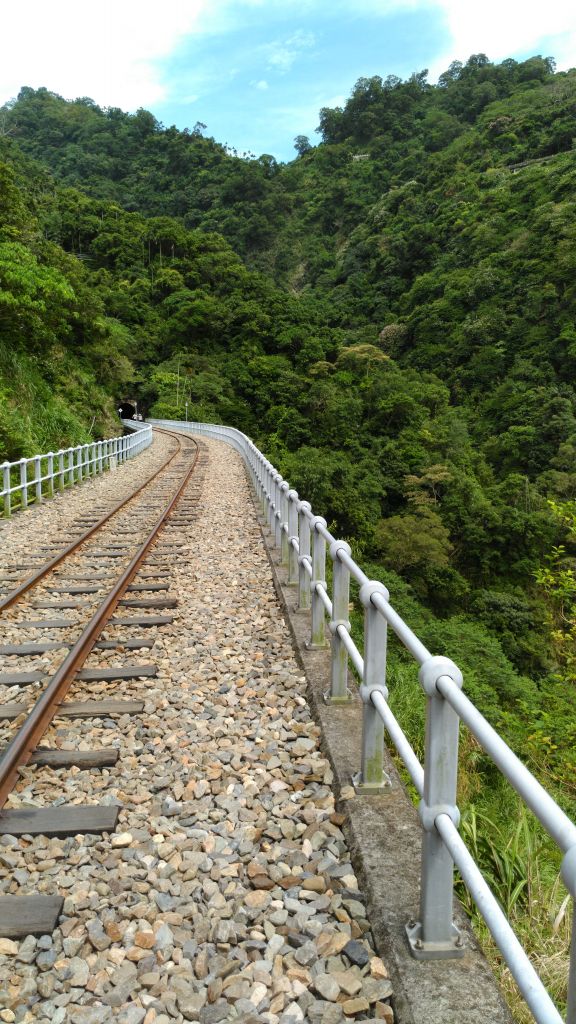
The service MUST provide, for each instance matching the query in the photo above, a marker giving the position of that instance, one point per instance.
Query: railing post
(79, 465)
(100, 448)
(272, 504)
(38, 477)
(435, 936)
(50, 474)
(277, 529)
(6, 486)
(265, 488)
(318, 637)
(59, 471)
(339, 692)
(284, 522)
(303, 555)
(261, 476)
(568, 872)
(371, 777)
(292, 498)
(70, 467)
(24, 482)
(60, 474)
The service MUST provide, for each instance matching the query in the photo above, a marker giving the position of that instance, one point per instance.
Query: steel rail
(9, 599)
(23, 744)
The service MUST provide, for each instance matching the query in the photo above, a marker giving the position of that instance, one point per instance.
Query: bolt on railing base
(316, 647)
(421, 950)
(370, 788)
(345, 699)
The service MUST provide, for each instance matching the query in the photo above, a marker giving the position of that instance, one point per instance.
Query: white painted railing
(31, 480)
(302, 540)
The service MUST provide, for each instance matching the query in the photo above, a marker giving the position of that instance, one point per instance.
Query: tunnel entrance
(126, 410)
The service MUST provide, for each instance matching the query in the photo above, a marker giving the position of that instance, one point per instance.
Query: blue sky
(257, 72)
(265, 80)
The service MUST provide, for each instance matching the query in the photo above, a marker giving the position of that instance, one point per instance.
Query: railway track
(102, 597)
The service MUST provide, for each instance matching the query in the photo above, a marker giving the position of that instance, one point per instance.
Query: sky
(257, 72)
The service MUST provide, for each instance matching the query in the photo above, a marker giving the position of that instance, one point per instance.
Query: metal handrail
(68, 466)
(435, 935)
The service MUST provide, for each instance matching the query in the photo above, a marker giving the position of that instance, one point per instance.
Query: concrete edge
(384, 835)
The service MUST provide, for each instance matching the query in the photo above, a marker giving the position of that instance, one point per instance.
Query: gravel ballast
(227, 892)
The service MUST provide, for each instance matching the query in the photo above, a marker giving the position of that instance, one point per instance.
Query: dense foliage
(391, 316)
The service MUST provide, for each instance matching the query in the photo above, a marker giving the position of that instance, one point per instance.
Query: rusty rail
(23, 744)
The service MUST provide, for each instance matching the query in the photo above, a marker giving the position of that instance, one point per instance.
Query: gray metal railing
(31, 480)
(302, 539)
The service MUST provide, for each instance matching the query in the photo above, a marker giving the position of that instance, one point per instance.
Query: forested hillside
(391, 316)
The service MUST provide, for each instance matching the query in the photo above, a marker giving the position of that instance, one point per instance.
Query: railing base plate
(420, 950)
(337, 701)
(370, 788)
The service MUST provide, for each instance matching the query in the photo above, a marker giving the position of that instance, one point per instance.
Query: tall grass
(518, 859)
(520, 864)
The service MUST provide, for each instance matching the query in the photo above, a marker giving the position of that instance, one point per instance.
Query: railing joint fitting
(367, 691)
(335, 624)
(431, 671)
(429, 813)
(370, 588)
(337, 546)
(317, 521)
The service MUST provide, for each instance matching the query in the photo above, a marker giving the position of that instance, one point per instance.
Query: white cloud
(502, 28)
(117, 51)
(106, 50)
(281, 55)
(498, 28)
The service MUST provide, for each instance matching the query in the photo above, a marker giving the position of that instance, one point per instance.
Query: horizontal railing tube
(65, 467)
(520, 967)
(447, 706)
(551, 816)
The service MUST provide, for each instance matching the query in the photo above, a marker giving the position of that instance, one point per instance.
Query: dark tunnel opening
(126, 410)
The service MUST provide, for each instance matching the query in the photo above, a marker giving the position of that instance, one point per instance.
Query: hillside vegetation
(391, 317)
